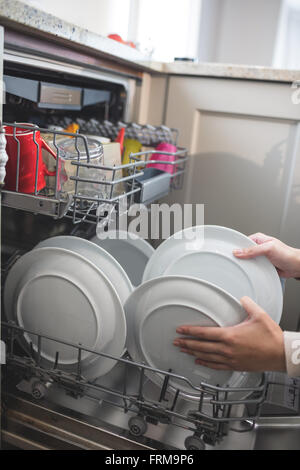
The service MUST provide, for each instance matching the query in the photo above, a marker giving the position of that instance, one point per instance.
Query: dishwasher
(49, 408)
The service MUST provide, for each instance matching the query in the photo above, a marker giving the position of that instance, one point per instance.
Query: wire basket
(85, 202)
(211, 414)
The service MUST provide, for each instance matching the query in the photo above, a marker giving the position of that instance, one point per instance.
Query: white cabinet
(244, 137)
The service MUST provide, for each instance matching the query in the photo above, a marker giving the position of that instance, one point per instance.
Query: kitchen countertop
(17, 13)
(210, 69)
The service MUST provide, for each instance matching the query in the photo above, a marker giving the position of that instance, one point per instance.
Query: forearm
(292, 352)
(297, 263)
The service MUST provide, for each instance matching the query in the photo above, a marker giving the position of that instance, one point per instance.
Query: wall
(253, 32)
(168, 28)
(239, 31)
(288, 37)
(211, 13)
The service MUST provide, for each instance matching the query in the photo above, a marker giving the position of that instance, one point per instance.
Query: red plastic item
(131, 44)
(27, 162)
(120, 138)
(116, 37)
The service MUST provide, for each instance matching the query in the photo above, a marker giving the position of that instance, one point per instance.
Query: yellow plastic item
(130, 146)
(72, 128)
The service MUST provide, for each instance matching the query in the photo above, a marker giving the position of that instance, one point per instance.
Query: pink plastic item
(164, 147)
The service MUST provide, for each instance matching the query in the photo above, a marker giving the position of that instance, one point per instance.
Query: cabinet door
(245, 165)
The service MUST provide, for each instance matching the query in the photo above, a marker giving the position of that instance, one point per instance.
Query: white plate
(131, 251)
(154, 311)
(59, 293)
(97, 255)
(209, 256)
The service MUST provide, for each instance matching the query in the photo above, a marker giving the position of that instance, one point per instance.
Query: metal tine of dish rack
(34, 129)
(112, 200)
(213, 389)
(21, 330)
(205, 390)
(18, 159)
(181, 153)
(178, 164)
(134, 165)
(77, 173)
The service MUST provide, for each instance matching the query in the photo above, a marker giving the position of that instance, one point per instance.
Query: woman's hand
(285, 258)
(253, 345)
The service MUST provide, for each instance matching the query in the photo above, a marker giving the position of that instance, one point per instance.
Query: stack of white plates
(193, 278)
(206, 252)
(131, 251)
(82, 292)
(73, 290)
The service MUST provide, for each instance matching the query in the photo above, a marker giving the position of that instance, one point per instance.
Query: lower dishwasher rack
(130, 405)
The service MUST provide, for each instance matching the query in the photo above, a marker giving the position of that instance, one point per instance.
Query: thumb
(260, 238)
(253, 251)
(253, 310)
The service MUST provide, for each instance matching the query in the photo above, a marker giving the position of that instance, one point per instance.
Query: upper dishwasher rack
(81, 206)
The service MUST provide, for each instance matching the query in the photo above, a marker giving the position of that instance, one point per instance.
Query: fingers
(213, 365)
(210, 339)
(209, 333)
(200, 346)
(206, 356)
(251, 308)
(186, 351)
(254, 251)
(214, 361)
(260, 238)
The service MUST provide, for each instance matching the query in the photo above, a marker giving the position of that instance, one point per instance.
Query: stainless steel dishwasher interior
(277, 433)
(268, 433)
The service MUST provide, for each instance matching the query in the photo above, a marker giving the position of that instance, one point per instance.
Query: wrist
(292, 352)
(297, 264)
(280, 362)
